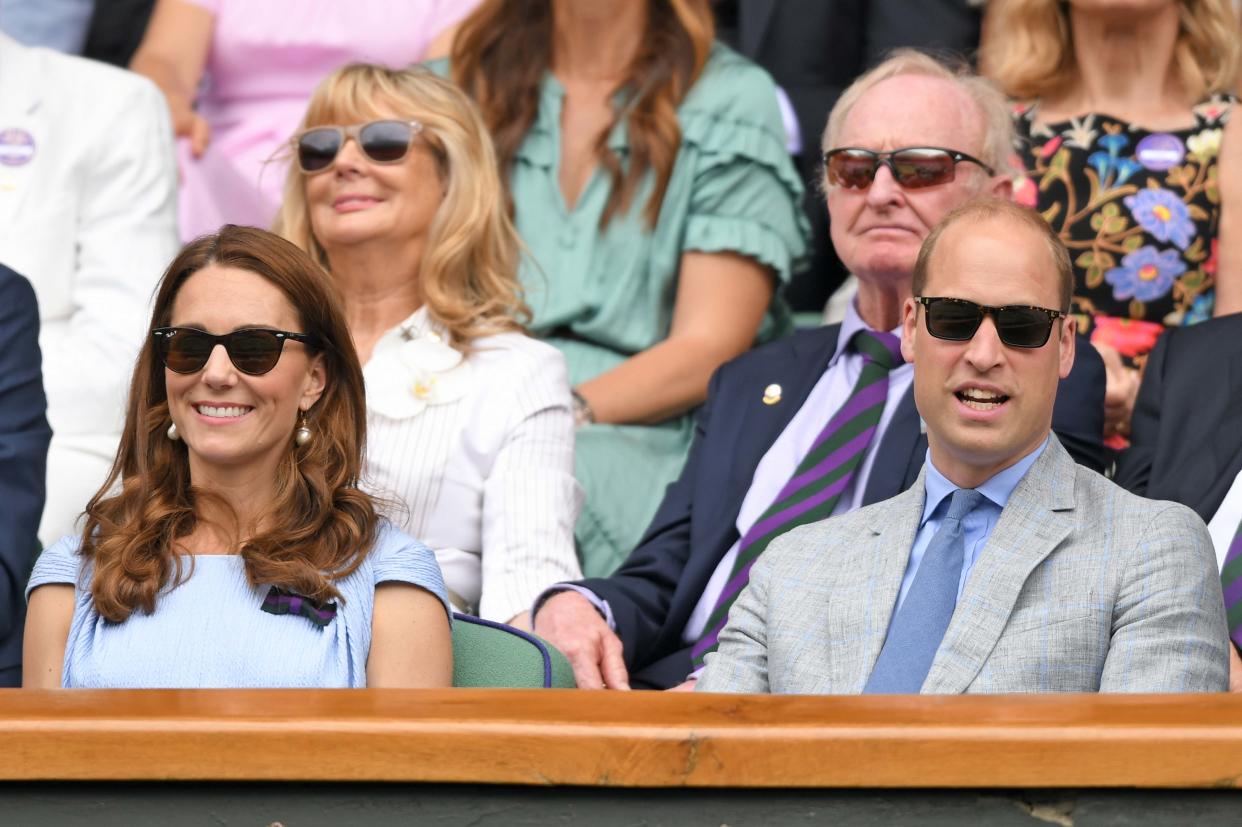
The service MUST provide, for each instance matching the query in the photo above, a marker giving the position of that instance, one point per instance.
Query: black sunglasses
(1017, 325)
(383, 142)
(913, 167)
(253, 351)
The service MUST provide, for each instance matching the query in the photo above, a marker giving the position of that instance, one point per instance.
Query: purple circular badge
(1160, 151)
(17, 147)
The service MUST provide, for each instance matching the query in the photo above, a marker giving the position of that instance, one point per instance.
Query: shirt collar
(998, 489)
(851, 324)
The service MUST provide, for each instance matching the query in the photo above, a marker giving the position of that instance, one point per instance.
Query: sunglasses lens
(385, 142)
(317, 148)
(953, 320)
(853, 169)
(254, 351)
(1023, 326)
(917, 168)
(185, 351)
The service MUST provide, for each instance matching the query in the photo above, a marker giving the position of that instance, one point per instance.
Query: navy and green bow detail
(282, 602)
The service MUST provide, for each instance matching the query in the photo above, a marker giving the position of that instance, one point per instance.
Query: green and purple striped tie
(1231, 585)
(820, 479)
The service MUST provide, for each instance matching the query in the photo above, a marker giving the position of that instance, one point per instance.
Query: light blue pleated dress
(211, 632)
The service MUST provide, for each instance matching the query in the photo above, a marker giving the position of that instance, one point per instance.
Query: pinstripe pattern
(1082, 587)
(487, 480)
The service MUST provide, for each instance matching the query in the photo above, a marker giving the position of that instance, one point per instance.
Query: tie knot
(962, 502)
(878, 346)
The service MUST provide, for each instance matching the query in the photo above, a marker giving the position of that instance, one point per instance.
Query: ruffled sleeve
(59, 563)
(747, 194)
(397, 557)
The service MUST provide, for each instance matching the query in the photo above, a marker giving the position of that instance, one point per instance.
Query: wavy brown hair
(1032, 52)
(468, 276)
(321, 525)
(500, 55)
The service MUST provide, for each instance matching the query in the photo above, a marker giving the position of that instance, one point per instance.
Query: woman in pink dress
(237, 77)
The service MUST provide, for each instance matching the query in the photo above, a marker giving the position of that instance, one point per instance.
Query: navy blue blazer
(1186, 434)
(656, 589)
(24, 437)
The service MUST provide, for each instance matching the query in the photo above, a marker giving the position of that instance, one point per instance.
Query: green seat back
(489, 654)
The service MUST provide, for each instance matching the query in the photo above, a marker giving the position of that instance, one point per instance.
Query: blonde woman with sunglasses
(394, 189)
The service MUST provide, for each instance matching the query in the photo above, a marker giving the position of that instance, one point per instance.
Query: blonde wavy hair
(998, 135)
(468, 278)
(1032, 55)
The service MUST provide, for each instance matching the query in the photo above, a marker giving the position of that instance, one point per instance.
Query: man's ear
(1069, 327)
(1000, 186)
(909, 329)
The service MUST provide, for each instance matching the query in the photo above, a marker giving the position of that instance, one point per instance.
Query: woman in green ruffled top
(649, 179)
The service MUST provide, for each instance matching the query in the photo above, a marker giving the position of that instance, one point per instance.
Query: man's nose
(884, 188)
(985, 350)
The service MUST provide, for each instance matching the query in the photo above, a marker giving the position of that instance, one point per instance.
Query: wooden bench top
(622, 739)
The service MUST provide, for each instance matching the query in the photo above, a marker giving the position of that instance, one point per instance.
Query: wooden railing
(622, 739)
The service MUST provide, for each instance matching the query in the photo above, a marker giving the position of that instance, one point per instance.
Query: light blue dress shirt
(977, 525)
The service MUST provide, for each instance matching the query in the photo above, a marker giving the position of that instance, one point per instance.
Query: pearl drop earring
(303, 434)
(172, 432)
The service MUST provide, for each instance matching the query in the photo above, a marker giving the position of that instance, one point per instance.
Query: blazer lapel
(20, 108)
(871, 572)
(1214, 476)
(759, 424)
(1038, 517)
(902, 448)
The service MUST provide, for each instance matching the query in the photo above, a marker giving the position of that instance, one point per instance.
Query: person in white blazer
(395, 190)
(88, 214)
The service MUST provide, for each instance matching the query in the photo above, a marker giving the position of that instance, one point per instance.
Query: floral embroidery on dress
(412, 367)
(1139, 211)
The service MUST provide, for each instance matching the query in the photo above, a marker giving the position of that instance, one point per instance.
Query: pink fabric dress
(265, 60)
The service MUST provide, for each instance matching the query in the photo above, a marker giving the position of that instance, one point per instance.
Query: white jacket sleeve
(530, 497)
(125, 235)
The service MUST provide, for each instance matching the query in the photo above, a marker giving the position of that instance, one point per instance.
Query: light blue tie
(920, 624)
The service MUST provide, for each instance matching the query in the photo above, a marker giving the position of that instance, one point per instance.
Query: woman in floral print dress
(1123, 133)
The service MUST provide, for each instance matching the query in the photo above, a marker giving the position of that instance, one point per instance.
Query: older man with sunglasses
(1006, 567)
(821, 423)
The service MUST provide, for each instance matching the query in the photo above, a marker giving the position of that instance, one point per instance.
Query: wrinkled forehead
(914, 110)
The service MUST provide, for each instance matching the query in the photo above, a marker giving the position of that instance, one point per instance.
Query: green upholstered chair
(486, 653)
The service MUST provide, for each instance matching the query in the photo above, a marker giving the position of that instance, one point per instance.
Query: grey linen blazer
(1082, 587)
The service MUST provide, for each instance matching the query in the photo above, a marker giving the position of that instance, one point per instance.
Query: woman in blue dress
(231, 545)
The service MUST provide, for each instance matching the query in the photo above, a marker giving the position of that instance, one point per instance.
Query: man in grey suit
(1006, 567)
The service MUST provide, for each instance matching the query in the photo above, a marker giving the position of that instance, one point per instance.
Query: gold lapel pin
(772, 394)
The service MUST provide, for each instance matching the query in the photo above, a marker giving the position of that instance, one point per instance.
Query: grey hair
(998, 134)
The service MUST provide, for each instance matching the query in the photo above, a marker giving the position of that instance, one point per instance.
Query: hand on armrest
(569, 622)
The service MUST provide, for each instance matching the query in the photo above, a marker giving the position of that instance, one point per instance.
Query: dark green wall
(345, 805)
